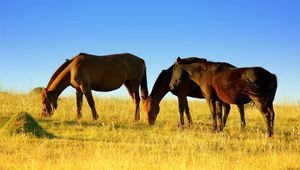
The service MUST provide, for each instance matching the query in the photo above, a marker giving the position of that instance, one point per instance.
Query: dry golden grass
(115, 142)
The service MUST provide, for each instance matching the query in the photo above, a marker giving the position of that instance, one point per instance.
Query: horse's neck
(193, 73)
(160, 90)
(159, 94)
(61, 82)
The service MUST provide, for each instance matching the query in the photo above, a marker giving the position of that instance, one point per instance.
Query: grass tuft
(24, 124)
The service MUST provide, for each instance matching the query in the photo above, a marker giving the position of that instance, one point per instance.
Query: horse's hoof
(79, 117)
(95, 117)
(190, 123)
(243, 126)
(180, 125)
(137, 118)
(214, 129)
(270, 133)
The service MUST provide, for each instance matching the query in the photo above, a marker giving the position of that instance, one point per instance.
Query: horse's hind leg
(272, 113)
(79, 96)
(261, 106)
(226, 113)
(242, 115)
(218, 104)
(133, 91)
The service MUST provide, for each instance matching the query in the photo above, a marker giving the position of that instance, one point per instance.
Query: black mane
(191, 60)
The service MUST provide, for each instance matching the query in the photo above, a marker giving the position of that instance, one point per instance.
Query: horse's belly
(105, 86)
(233, 98)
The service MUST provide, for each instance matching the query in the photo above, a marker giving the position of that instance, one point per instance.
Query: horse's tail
(273, 84)
(266, 87)
(144, 87)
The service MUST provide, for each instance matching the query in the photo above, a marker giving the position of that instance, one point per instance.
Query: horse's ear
(178, 59)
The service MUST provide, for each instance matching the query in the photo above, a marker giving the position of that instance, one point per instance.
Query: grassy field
(115, 142)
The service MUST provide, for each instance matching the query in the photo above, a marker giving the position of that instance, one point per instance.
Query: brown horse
(185, 88)
(87, 72)
(231, 85)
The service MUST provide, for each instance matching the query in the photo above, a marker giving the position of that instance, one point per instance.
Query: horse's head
(49, 104)
(177, 75)
(152, 109)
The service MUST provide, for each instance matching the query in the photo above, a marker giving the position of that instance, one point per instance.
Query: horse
(86, 72)
(186, 88)
(231, 85)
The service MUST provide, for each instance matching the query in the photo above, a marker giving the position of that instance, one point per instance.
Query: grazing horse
(231, 85)
(87, 72)
(185, 88)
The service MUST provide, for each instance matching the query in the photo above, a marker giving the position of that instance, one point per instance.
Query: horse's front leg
(181, 110)
(187, 112)
(88, 94)
(79, 96)
(185, 106)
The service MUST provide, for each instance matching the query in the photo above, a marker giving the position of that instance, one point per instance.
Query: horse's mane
(209, 64)
(192, 60)
(226, 65)
(195, 59)
(58, 71)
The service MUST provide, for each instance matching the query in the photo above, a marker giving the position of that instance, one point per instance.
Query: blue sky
(36, 36)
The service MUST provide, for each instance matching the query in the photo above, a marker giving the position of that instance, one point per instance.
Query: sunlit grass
(116, 142)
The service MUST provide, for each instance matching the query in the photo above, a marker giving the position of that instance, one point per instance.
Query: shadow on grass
(57, 127)
(71, 122)
(98, 124)
(79, 139)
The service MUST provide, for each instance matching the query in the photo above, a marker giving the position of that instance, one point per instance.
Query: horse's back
(112, 59)
(258, 76)
(114, 62)
(108, 72)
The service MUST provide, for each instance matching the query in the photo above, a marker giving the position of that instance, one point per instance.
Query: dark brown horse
(231, 85)
(185, 88)
(87, 72)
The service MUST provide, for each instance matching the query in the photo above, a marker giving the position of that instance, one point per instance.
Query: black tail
(144, 86)
(273, 84)
(265, 87)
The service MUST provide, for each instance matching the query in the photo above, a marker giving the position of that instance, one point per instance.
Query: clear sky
(36, 36)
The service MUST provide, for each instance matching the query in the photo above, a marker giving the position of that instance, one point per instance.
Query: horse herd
(221, 84)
